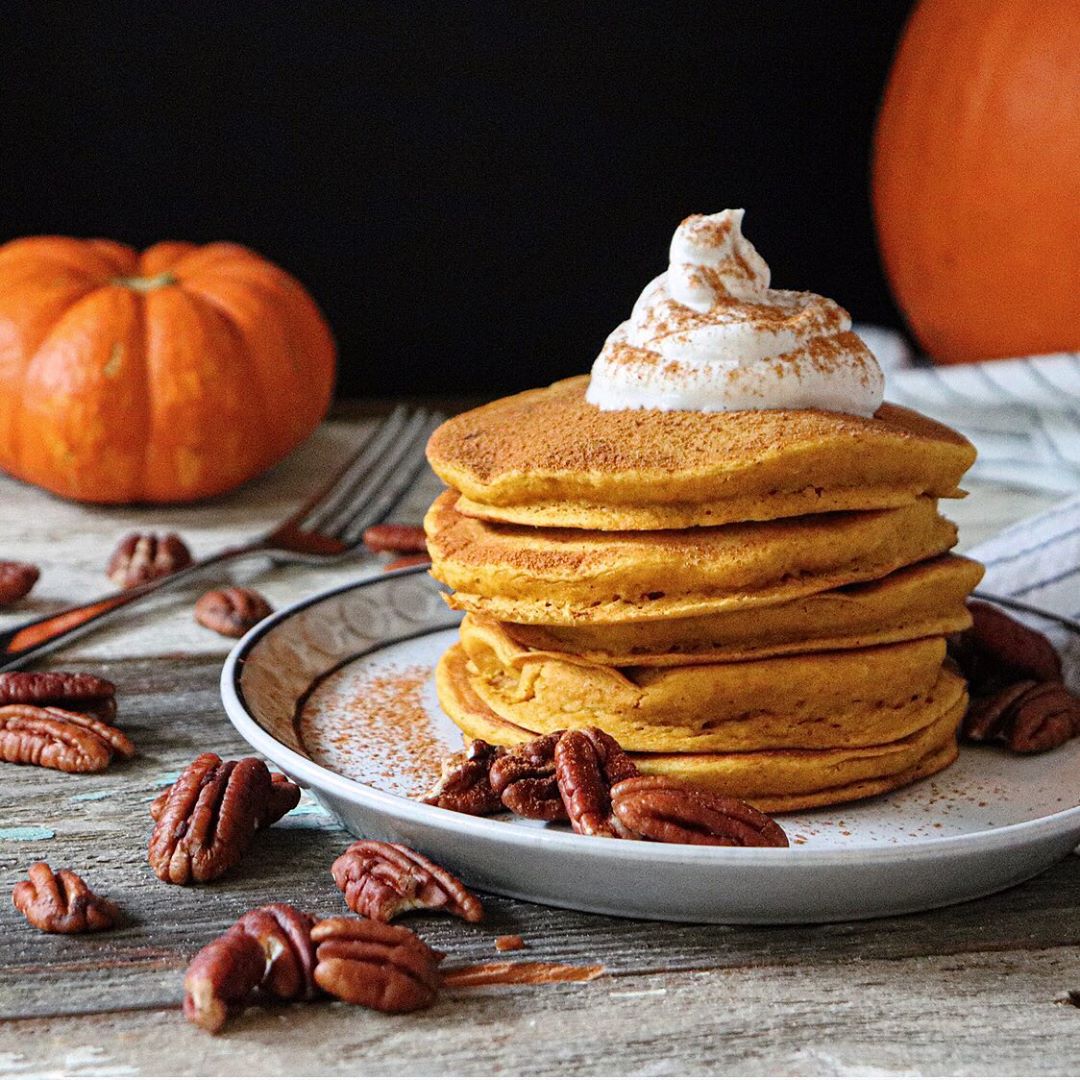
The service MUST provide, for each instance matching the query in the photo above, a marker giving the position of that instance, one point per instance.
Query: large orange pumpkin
(162, 377)
(977, 177)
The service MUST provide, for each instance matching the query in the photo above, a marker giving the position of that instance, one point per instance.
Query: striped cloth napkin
(1037, 561)
(1023, 415)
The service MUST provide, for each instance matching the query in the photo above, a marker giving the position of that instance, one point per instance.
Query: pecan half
(465, 784)
(208, 818)
(16, 580)
(142, 557)
(671, 812)
(268, 949)
(221, 976)
(63, 689)
(60, 902)
(381, 881)
(407, 560)
(1026, 716)
(375, 964)
(998, 650)
(285, 936)
(524, 779)
(59, 739)
(393, 536)
(231, 612)
(588, 762)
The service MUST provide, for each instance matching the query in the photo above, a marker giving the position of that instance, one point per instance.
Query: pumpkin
(162, 377)
(976, 177)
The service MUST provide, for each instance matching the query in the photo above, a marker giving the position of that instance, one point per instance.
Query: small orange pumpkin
(163, 377)
(977, 177)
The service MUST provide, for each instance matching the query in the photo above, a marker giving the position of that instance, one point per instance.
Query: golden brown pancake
(853, 697)
(547, 457)
(773, 780)
(924, 600)
(567, 576)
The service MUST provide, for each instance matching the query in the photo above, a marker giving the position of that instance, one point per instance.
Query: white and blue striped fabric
(1037, 561)
(1023, 415)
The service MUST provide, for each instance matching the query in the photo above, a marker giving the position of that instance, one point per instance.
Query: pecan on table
(381, 881)
(60, 902)
(62, 689)
(59, 739)
(143, 557)
(208, 818)
(232, 611)
(393, 536)
(16, 580)
(465, 784)
(524, 779)
(588, 763)
(268, 949)
(1026, 716)
(222, 976)
(285, 936)
(999, 650)
(379, 965)
(671, 812)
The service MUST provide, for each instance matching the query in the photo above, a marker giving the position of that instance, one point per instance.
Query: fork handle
(20, 644)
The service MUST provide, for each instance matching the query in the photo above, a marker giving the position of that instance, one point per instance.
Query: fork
(327, 527)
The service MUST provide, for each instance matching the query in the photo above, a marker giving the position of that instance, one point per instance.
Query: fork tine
(373, 508)
(331, 497)
(380, 476)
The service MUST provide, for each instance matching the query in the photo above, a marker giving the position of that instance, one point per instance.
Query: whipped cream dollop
(709, 335)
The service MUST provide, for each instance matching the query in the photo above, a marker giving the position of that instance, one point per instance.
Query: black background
(475, 193)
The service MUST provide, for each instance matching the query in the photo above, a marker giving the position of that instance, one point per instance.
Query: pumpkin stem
(146, 284)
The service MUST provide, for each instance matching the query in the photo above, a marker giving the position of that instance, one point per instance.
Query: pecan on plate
(60, 902)
(143, 557)
(671, 812)
(268, 949)
(206, 821)
(588, 763)
(1026, 716)
(232, 611)
(465, 784)
(395, 537)
(16, 580)
(63, 689)
(999, 650)
(59, 739)
(375, 964)
(381, 881)
(524, 779)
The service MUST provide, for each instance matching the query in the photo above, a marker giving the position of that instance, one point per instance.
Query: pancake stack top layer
(752, 599)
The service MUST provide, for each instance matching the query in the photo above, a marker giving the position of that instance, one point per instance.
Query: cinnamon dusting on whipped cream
(710, 335)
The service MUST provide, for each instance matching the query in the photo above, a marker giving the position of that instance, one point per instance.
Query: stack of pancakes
(755, 601)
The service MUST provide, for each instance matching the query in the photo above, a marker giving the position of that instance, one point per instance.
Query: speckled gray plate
(337, 692)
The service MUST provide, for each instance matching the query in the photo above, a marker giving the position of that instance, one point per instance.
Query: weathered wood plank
(995, 1014)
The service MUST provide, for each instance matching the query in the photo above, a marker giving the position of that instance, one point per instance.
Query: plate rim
(319, 777)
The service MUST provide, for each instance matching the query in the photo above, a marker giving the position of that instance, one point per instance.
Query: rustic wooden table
(971, 989)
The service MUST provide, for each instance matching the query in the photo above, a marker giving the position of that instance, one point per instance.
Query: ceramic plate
(337, 691)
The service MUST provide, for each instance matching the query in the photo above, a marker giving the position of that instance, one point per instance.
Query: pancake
(856, 697)
(567, 576)
(546, 457)
(777, 780)
(924, 600)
